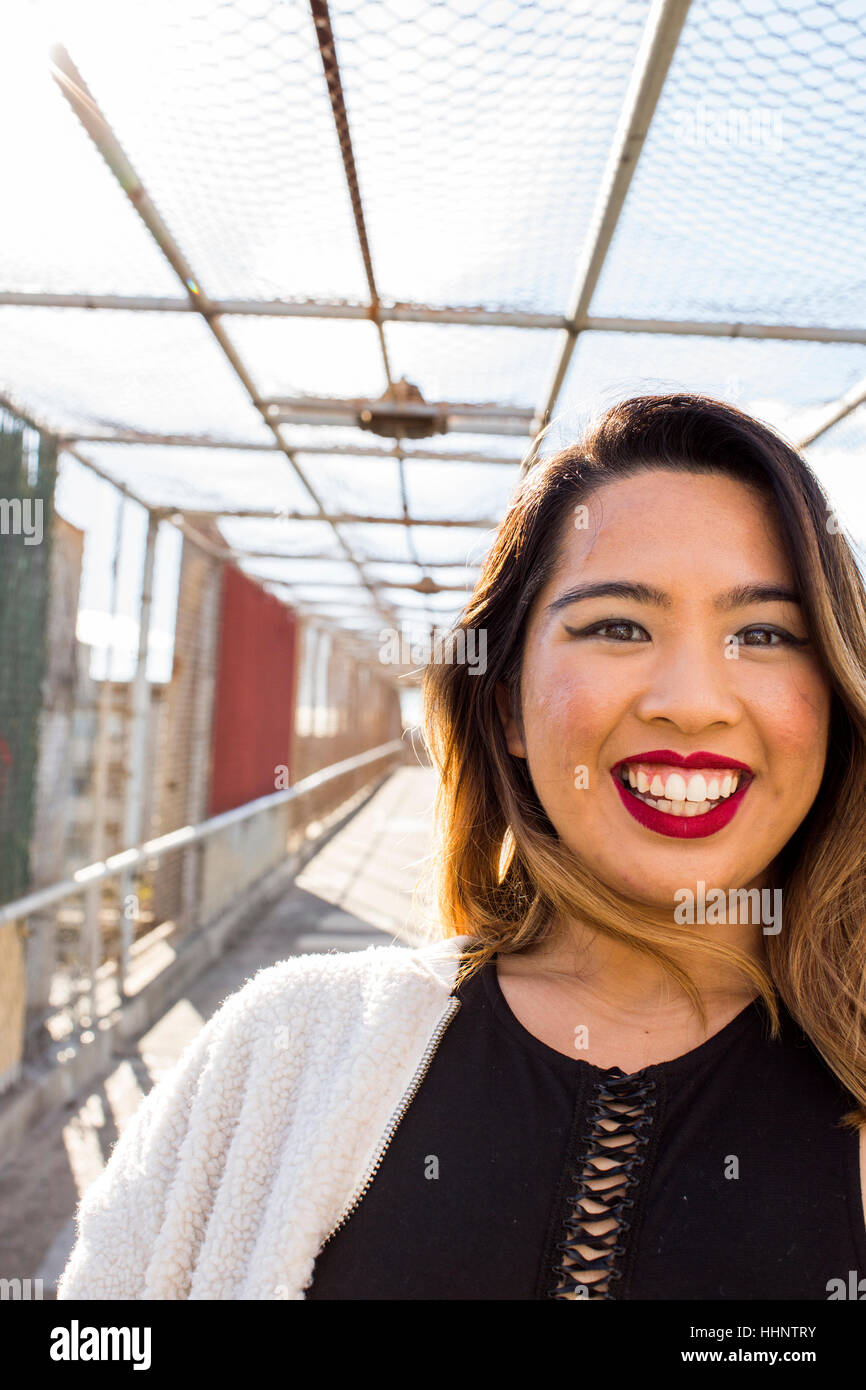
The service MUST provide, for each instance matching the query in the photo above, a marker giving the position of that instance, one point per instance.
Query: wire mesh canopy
(322, 271)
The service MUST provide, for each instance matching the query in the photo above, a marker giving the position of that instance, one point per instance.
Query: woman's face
(683, 659)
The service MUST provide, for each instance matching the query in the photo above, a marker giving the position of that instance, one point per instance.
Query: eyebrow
(738, 597)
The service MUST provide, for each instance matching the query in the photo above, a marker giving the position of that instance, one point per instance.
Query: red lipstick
(666, 755)
(682, 827)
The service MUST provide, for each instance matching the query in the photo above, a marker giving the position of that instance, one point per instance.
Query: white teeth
(680, 808)
(675, 787)
(676, 796)
(697, 788)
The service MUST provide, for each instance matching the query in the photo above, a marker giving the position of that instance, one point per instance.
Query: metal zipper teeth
(391, 1128)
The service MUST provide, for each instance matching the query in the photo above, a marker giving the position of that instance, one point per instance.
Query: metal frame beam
(836, 411)
(468, 316)
(472, 410)
(334, 518)
(197, 441)
(234, 554)
(333, 81)
(420, 587)
(456, 424)
(654, 57)
(445, 417)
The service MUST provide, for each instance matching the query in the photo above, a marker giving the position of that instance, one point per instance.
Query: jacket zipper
(391, 1128)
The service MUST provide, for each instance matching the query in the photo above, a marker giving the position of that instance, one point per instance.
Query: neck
(624, 982)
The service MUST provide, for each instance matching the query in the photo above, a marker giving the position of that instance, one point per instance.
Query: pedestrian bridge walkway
(356, 890)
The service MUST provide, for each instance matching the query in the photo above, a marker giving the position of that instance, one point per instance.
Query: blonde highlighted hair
(501, 874)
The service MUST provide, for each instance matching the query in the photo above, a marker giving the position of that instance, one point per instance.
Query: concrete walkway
(355, 892)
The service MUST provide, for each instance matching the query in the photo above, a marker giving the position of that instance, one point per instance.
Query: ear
(513, 735)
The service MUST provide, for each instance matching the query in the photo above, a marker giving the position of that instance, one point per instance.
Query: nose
(691, 684)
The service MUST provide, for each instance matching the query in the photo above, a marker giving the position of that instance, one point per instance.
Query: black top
(520, 1173)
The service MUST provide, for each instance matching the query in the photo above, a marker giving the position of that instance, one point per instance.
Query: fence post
(138, 732)
(200, 740)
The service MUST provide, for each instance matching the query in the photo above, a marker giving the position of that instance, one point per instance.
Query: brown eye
(617, 629)
(786, 639)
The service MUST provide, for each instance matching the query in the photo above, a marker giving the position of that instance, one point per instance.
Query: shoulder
(325, 987)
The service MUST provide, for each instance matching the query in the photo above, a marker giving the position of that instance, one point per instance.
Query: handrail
(186, 835)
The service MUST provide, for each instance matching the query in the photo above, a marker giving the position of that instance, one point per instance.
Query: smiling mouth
(687, 793)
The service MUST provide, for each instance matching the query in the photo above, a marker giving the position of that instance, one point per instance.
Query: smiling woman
(675, 697)
(618, 1074)
(699, 597)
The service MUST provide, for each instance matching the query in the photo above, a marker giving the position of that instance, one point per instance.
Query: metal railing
(100, 980)
(116, 864)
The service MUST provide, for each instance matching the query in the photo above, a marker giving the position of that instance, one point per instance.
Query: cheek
(567, 715)
(795, 720)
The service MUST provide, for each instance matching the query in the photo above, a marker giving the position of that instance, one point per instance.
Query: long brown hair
(501, 873)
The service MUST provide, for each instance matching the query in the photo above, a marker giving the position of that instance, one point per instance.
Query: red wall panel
(254, 696)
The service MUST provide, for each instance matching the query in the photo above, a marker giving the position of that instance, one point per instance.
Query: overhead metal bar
(725, 328)
(322, 556)
(420, 587)
(469, 316)
(199, 441)
(656, 51)
(457, 416)
(456, 424)
(331, 69)
(334, 518)
(420, 409)
(359, 611)
(79, 97)
(183, 441)
(835, 412)
(232, 554)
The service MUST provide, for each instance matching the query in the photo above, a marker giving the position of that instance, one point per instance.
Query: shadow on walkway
(354, 893)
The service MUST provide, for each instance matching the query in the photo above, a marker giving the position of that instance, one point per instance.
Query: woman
(634, 1066)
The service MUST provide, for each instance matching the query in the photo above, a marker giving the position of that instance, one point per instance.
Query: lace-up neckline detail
(619, 1115)
(609, 1153)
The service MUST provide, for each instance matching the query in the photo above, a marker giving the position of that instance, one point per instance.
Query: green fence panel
(28, 471)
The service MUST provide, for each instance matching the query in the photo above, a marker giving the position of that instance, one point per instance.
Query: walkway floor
(355, 892)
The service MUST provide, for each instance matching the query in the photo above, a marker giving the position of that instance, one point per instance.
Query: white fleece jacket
(242, 1159)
